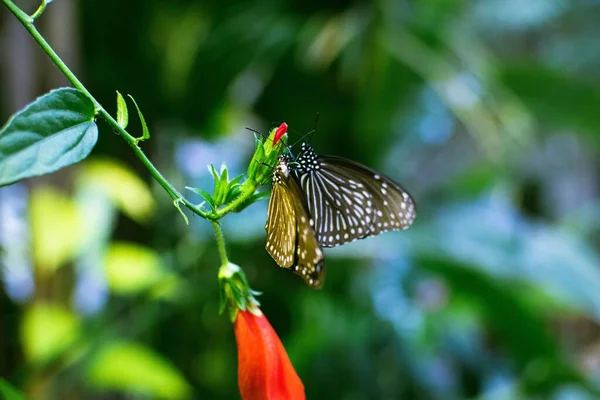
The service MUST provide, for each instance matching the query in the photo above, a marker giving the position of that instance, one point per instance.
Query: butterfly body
(291, 239)
(349, 201)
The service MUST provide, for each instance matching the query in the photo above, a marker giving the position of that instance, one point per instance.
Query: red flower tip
(282, 130)
(264, 368)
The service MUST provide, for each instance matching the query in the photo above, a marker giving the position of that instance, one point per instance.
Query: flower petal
(264, 368)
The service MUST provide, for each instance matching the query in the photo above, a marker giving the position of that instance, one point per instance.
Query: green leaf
(122, 114)
(145, 131)
(131, 367)
(56, 229)
(120, 184)
(205, 195)
(233, 192)
(222, 188)
(177, 203)
(254, 168)
(131, 268)
(235, 180)
(54, 131)
(8, 392)
(218, 194)
(46, 330)
(213, 172)
(253, 199)
(224, 176)
(234, 189)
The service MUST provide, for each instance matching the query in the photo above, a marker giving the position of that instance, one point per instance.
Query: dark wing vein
(308, 261)
(291, 240)
(350, 201)
(281, 226)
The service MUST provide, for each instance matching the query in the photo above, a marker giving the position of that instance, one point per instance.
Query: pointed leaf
(221, 189)
(258, 196)
(177, 203)
(213, 172)
(233, 192)
(254, 168)
(145, 131)
(224, 175)
(218, 187)
(205, 195)
(122, 114)
(235, 180)
(238, 295)
(54, 131)
(253, 199)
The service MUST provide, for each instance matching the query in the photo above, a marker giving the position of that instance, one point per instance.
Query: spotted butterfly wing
(291, 239)
(349, 201)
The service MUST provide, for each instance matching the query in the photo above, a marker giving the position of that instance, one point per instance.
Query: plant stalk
(220, 243)
(28, 23)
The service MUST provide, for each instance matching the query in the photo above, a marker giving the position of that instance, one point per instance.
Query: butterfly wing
(281, 225)
(392, 206)
(308, 262)
(342, 213)
(291, 239)
(349, 201)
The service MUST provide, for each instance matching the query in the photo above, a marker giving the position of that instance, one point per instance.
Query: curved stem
(28, 24)
(40, 10)
(248, 191)
(220, 243)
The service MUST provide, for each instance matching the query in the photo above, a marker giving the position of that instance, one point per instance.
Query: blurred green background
(488, 112)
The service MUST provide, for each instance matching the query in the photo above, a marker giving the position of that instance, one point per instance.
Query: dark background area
(487, 112)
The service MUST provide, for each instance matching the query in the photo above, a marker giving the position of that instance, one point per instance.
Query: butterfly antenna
(266, 137)
(266, 165)
(257, 132)
(314, 129)
(311, 132)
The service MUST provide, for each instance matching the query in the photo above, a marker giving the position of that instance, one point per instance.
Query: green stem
(170, 189)
(40, 10)
(248, 191)
(27, 22)
(220, 243)
(21, 16)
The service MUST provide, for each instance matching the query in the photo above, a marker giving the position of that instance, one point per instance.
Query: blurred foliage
(128, 366)
(484, 111)
(8, 392)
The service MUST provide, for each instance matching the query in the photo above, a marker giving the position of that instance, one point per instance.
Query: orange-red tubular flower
(264, 368)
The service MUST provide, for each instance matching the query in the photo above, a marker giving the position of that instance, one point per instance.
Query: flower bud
(264, 368)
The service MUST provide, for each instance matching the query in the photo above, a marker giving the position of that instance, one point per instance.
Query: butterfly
(291, 239)
(349, 201)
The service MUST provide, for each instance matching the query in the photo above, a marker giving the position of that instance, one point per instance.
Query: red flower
(264, 368)
(282, 130)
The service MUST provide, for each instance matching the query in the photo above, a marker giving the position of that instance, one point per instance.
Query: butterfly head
(307, 159)
(283, 165)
